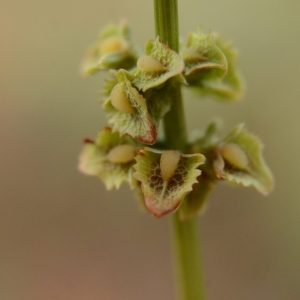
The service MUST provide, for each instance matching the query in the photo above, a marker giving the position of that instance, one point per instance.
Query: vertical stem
(174, 122)
(166, 22)
(187, 256)
(166, 25)
(188, 265)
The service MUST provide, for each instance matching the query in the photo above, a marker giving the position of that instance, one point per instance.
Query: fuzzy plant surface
(173, 174)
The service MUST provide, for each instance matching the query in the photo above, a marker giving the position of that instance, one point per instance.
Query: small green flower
(110, 157)
(114, 49)
(133, 112)
(210, 67)
(203, 58)
(166, 177)
(158, 65)
(239, 159)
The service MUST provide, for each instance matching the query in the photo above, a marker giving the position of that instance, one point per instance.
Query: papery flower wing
(148, 109)
(210, 67)
(232, 85)
(239, 159)
(203, 58)
(161, 196)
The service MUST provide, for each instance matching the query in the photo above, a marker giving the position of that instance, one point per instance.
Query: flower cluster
(137, 97)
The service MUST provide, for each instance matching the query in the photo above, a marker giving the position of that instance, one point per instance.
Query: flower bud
(112, 44)
(234, 155)
(149, 64)
(121, 154)
(114, 49)
(168, 163)
(157, 65)
(119, 99)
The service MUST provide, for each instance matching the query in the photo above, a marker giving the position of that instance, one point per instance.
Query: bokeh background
(63, 236)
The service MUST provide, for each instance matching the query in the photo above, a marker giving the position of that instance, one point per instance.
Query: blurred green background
(63, 236)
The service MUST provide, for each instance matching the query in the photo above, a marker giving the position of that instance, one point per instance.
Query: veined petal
(164, 194)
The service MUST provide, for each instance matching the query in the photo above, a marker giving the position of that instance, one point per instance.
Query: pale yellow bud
(111, 44)
(121, 154)
(119, 99)
(234, 155)
(168, 163)
(149, 64)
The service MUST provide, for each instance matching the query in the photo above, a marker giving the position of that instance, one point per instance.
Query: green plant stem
(187, 256)
(188, 265)
(166, 25)
(174, 121)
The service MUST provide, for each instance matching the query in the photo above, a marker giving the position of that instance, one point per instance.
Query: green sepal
(203, 58)
(196, 201)
(110, 83)
(169, 59)
(252, 169)
(94, 160)
(139, 197)
(149, 108)
(163, 197)
(113, 49)
(201, 140)
(116, 61)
